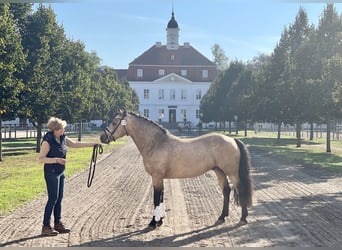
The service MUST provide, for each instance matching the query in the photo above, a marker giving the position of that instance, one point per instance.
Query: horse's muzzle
(104, 138)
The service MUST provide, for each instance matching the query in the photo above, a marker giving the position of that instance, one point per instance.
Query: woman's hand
(60, 161)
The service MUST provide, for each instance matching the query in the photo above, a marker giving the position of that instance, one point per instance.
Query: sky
(121, 30)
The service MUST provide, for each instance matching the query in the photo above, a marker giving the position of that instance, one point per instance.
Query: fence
(319, 131)
(12, 131)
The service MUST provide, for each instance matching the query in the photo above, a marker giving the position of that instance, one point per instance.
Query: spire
(172, 32)
(172, 23)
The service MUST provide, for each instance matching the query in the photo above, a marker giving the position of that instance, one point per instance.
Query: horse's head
(115, 129)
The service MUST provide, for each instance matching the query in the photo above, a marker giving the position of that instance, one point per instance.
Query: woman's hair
(55, 123)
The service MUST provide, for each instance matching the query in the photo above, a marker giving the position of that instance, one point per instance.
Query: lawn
(22, 176)
(311, 152)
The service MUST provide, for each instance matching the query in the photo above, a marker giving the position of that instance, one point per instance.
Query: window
(146, 93)
(140, 73)
(183, 112)
(172, 94)
(198, 114)
(184, 72)
(183, 94)
(198, 94)
(161, 114)
(147, 113)
(205, 73)
(161, 94)
(161, 72)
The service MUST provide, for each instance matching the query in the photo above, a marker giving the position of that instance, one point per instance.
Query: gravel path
(293, 206)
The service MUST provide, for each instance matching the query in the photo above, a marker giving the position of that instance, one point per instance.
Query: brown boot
(48, 231)
(61, 228)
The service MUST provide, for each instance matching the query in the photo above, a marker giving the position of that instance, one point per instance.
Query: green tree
(20, 12)
(231, 92)
(76, 97)
(299, 65)
(12, 60)
(272, 92)
(220, 58)
(110, 94)
(329, 49)
(43, 41)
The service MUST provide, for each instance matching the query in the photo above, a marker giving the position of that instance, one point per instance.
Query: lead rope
(97, 149)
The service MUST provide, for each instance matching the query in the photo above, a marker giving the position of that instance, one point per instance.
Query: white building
(170, 80)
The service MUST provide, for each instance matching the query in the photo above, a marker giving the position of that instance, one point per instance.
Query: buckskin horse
(166, 156)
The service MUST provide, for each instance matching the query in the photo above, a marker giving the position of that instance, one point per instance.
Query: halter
(122, 122)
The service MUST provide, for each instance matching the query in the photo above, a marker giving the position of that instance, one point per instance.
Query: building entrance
(172, 116)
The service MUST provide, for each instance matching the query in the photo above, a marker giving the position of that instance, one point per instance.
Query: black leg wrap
(158, 197)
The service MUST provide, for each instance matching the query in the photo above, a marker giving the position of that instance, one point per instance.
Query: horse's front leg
(158, 198)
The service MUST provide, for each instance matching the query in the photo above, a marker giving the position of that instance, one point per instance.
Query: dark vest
(56, 150)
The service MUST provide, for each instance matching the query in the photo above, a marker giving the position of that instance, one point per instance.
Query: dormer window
(161, 72)
(140, 73)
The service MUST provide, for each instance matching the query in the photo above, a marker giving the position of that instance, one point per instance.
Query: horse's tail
(245, 189)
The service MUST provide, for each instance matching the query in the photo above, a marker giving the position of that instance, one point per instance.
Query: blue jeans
(55, 189)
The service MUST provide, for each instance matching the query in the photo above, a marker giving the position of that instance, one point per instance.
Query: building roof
(185, 55)
(121, 74)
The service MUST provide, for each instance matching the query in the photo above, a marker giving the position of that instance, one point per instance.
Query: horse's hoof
(153, 224)
(242, 222)
(159, 223)
(220, 221)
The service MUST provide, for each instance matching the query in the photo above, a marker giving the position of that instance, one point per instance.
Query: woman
(52, 154)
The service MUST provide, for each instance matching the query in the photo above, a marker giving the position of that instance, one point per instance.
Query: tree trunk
(328, 137)
(80, 131)
(246, 125)
(278, 135)
(298, 135)
(39, 137)
(0, 139)
(311, 131)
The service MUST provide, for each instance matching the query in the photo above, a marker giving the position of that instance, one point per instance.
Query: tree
(110, 94)
(220, 58)
(43, 41)
(20, 12)
(231, 92)
(329, 49)
(12, 60)
(271, 93)
(299, 71)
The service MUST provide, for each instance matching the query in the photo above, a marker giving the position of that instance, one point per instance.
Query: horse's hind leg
(244, 213)
(223, 182)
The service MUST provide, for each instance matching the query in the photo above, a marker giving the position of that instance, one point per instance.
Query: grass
(22, 176)
(19, 142)
(311, 153)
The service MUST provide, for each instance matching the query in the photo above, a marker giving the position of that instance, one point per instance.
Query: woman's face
(58, 132)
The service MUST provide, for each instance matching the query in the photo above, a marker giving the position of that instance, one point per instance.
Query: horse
(166, 156)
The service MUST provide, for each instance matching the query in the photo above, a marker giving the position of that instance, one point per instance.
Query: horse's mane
(163, 130)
